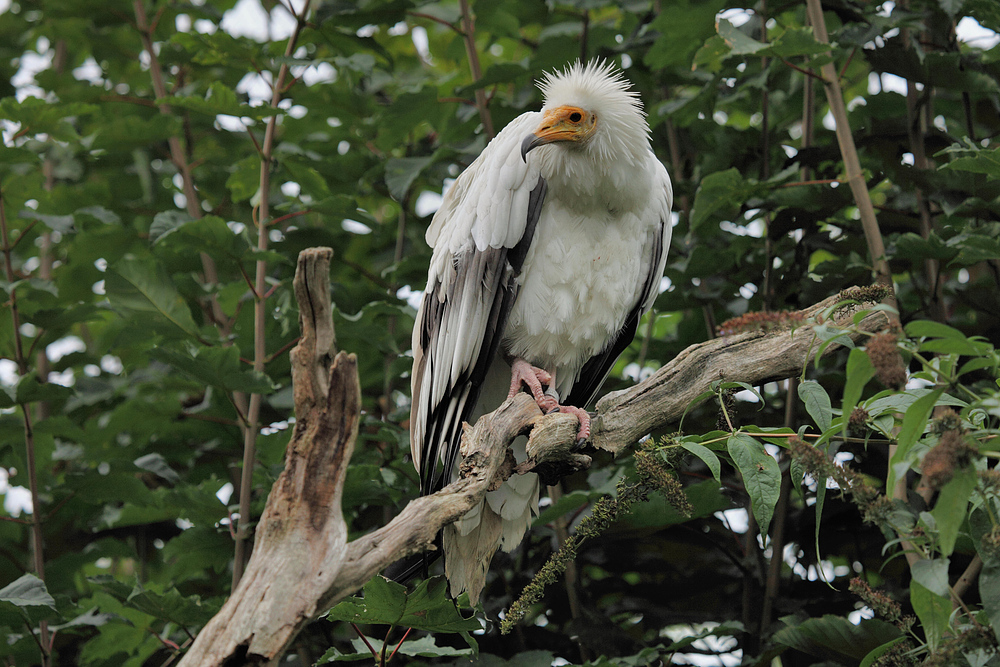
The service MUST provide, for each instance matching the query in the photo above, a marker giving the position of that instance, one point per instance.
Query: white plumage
(547, 250)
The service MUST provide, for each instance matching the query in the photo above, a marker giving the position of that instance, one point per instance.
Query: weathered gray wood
(302, 565)
(302, 536)
(754, 357)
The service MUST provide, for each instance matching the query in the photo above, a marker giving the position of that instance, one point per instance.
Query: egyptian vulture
(547, 251)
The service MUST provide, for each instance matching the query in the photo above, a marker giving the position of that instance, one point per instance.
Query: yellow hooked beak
(565, 123)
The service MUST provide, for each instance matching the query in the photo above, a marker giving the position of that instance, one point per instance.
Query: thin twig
(260, 311)
(469, 36)
(37, 545)
(177, 156)
(421, 15)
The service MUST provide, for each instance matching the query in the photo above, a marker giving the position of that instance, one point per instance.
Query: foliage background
(134, 342)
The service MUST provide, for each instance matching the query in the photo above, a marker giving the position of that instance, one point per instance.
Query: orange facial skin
(565, 123)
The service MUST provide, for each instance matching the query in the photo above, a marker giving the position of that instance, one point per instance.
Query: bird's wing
(480, 237)
(657, 212)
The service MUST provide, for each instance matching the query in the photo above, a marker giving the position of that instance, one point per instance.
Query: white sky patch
(60, 348)
(355, 227)
(255, 87)
(969, 31)
(737, 16)
(8, 373)
(410, 296)
(230, 123)
(89, 71)
(225, 493)
(736, 518)
(421, 43)
(16, 499)
(428, 202)
(246, 19)
(319, 73)
(724, 647)
(31, 64)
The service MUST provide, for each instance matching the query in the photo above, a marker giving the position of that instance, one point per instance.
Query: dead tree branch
(303, 564)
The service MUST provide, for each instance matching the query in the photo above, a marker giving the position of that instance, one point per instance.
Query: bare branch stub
(302, 537)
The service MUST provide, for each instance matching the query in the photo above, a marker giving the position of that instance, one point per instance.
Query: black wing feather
(445, 424)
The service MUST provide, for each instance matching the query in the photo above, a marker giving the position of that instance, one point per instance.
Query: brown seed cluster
(889, 367)
(654, 473)
(953, 648)
(866, 294)
(875, 507)
(857, 423)
(884, 607)
(989, 481)
(764, 321)
(953, 451)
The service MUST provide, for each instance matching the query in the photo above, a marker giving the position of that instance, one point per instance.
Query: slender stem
(852, 164)
(469, 36)
(37, 544)
(969, 576)
(177, 156)
(260, 312)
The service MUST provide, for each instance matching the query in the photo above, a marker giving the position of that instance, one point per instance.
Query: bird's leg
(521, 372)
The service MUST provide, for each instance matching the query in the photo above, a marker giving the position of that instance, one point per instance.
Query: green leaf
(836, 638)
(155, 463)
(425, 647)
(817, 403)
(707, 456)
(385, 602)
(739, 43)
(401, 172)
(761, 476)
(949, 511)
(859, 372)
(980, 162)
(878, 651)
(171, 606)
(932, 574)
(166, 222)
(720, 195)
(143, 286)
(57, 223)
(244, 179)
(989, 591)
(914, 422)
(27, 591)
(217, 366)
(568, 503)
(933, 611)
(220, 99)
(682, 27)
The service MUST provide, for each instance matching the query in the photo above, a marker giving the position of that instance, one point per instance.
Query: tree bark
(302, 563)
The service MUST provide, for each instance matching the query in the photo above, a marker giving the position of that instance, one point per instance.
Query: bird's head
(590, 107)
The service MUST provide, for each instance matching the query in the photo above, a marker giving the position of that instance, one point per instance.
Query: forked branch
(302, 563)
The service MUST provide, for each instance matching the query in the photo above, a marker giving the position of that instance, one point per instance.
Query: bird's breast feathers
(582, 276)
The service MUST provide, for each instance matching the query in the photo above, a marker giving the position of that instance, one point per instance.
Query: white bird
(547, 251)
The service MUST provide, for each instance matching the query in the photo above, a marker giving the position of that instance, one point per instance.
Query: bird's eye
(575, 117)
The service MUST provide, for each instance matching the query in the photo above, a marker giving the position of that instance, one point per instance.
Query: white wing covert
(480, 237)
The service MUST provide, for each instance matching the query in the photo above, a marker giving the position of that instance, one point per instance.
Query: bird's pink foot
(521, 372)
(583, 434)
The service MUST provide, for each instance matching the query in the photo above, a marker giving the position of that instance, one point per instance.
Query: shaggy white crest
(602, 89)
